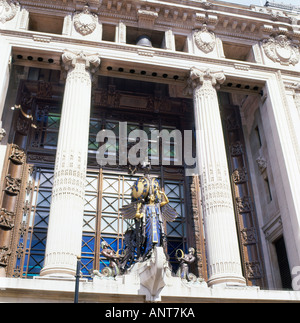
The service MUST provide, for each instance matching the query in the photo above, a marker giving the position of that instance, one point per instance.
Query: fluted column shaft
(219, 220)
(67, 205)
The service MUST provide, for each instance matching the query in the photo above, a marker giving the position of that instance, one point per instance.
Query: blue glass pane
(88, 244)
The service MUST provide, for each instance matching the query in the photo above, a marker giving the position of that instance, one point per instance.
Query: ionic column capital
(199, 77)
(70, 60)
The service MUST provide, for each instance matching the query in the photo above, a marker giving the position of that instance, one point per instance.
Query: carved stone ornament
(8, 10)
(6, 219)
(4, 256)
(262, 164)
(85, 22)
(17, 155)
(146, 18)
(205, 40)
(12, 185)
(200, 77)
(71, 59)
(282, 50)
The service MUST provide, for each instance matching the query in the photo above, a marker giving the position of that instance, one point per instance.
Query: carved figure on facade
(244, 204)
(239, 176)
(262, 164)
(17, 155)
(205, 39)
(281, 49)
(8, 10)
(149, 208)
(112, 269)
(185, 260)
(253, 270)
(85, 22)
(12, 185)
(6, 219)
(248, 236)
(4, 256)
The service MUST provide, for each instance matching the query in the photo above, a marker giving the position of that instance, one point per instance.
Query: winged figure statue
(149, 208)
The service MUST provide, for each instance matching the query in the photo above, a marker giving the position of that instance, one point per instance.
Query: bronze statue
(185, 260)
(113, 269)
(149, 208)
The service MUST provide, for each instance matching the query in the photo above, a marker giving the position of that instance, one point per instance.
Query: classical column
(224, 263)
(67, 204)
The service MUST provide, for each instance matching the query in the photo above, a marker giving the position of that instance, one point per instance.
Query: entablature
(192, 14)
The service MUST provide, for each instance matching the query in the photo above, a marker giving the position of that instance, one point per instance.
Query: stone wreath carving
(282, 50)
(205, 40)
(85, 22)
(8, 10)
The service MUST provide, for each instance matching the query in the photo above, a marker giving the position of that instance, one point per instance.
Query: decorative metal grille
(105, 194)
(33, 233)
(176, 231)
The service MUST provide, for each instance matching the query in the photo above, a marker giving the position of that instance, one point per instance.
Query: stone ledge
(122, 289)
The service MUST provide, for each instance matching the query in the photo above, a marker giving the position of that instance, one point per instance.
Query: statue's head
(191, 250)
(152, 198)
(104, 245)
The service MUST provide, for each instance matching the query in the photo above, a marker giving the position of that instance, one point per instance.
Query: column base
(58, 272)
(225, 280)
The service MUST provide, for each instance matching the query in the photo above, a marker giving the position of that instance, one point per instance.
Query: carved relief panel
(243, 198)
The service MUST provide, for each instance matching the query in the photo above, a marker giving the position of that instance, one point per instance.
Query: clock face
(141, 188)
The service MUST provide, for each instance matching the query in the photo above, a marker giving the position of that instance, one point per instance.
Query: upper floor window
(45, 24)
(239, 52)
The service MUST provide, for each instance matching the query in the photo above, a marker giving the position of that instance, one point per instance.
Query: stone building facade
(226, 76)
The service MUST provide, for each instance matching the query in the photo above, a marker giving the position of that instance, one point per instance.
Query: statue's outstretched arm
(165, 199)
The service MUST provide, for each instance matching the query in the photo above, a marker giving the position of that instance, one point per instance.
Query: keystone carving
(146, 18)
